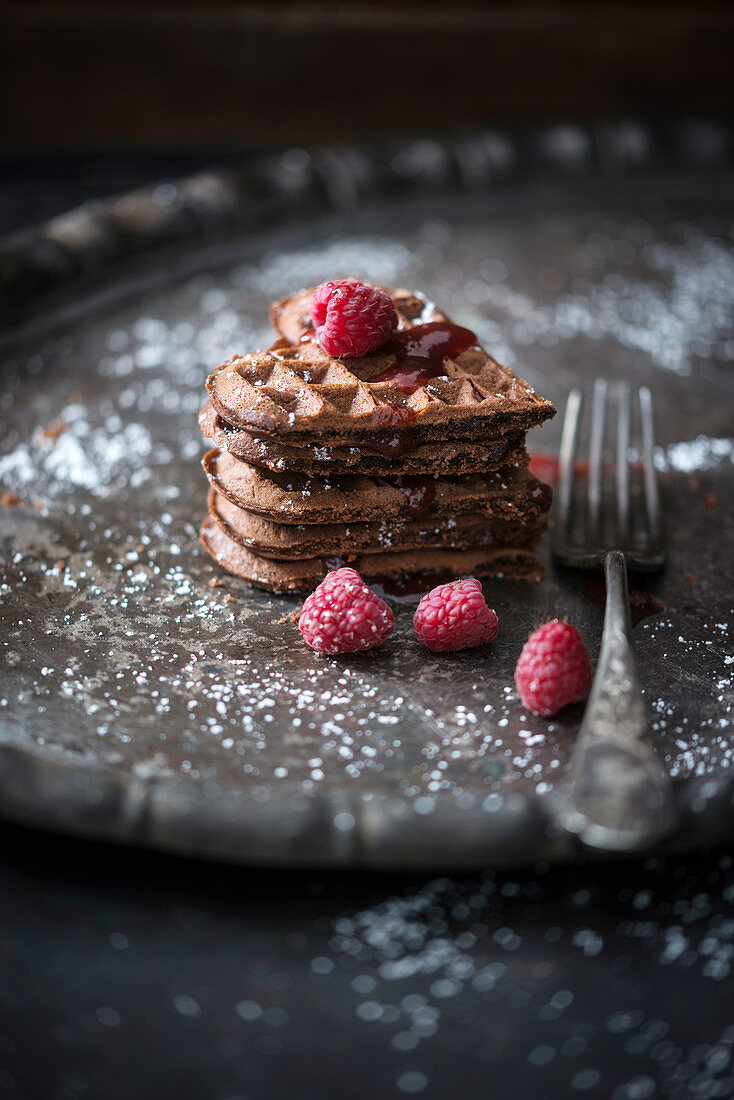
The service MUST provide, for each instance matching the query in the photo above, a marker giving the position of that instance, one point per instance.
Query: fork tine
(624, 420)
(582, 535)
(596, 445)
(652, 497)
(566, 459)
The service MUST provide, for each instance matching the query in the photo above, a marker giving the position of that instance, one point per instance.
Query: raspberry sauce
(392, 416)
(537, 492)
(420, 353)
(400, 440)
(642, 603)
(391, 444)
(545, 467)
(411, 586)
(420, 493)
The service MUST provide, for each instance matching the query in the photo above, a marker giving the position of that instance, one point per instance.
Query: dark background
(122, 971)
(187, 74)
(131, 976)
(96, 97)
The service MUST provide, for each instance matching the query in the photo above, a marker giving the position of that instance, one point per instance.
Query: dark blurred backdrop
(97, 97)
(222, 75)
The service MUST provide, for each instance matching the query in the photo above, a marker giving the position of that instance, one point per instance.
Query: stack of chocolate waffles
(409, 462)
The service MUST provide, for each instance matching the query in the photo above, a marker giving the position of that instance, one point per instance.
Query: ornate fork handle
(620, 797)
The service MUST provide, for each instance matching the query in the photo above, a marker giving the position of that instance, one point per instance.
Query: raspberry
(455, 616)
(554, 668)
(343, 615)
(351, 318)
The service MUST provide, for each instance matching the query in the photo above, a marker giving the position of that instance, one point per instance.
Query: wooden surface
(186, 74)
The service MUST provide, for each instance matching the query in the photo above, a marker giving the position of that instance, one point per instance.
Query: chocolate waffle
(401, 457)
(408, 460)
(299, 392)
(431, 566)
(287, 541)
(505, 495)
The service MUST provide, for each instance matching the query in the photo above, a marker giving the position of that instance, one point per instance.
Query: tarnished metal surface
(141, 702)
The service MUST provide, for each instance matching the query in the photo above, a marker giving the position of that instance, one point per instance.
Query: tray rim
(98, 233)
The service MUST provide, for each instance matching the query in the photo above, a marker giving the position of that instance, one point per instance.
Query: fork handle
(620, 796)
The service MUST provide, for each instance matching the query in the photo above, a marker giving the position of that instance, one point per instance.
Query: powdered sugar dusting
(81, 456)
(678, 312)
(684, 310)
(696, 455)
(425, 963)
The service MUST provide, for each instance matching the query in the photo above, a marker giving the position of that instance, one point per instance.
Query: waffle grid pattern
(300, 388)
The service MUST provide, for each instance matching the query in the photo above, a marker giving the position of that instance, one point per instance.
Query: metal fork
(619, 797)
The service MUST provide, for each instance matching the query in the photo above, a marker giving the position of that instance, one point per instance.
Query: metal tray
(141, 703)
